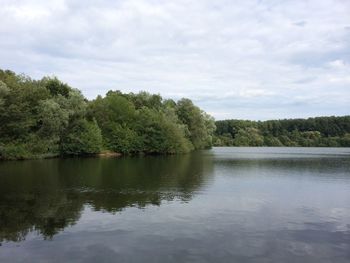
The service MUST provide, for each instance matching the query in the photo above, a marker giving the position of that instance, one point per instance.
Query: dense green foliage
(133, 123)
(320, 131)
(43, 118)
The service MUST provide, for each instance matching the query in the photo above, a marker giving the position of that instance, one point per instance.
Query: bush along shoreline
(48, 118)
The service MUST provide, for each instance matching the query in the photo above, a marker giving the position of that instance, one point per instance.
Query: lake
(219, 205)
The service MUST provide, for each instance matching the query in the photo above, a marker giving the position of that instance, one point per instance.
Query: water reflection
(48, 195)
(223, 205)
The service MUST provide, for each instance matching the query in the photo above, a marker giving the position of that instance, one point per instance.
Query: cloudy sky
(235, 59)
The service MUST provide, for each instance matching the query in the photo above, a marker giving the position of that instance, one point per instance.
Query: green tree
(200, 125)
(56, 87)
(83, 137)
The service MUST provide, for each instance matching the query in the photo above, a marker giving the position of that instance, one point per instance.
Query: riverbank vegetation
(44, 118)
(311, 132)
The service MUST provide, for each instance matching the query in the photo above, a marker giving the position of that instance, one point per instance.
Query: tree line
(46, 117)
(311, 132)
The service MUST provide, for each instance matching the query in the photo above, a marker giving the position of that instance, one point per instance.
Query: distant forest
(46, 118)
(311, 132)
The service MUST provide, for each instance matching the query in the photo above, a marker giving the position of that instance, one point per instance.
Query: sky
(247, 59)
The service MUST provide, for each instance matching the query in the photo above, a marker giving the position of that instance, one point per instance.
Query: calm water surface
(220, 205)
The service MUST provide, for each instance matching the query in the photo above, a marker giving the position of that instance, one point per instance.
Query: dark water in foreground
(221, 205)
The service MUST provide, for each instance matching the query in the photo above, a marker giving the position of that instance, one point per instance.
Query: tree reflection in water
(46, 196)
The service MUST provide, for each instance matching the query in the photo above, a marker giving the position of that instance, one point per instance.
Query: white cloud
(236, 59)
(339, 64)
